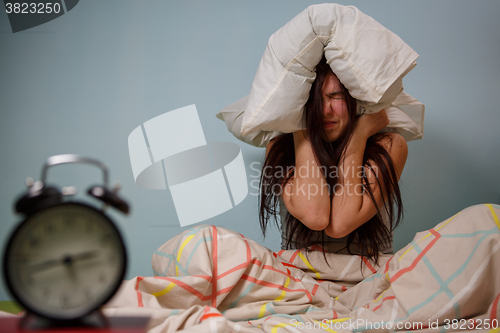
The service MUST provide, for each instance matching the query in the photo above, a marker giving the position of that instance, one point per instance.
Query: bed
(211, 279)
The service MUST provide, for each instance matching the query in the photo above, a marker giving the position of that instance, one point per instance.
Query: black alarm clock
(66, 258)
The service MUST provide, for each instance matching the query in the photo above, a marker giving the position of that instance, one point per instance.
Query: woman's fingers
(382, 120)
(370, 124)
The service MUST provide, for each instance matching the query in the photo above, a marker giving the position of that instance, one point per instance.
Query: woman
(342, 181)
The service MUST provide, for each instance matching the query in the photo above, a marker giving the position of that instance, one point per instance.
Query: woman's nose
(327, 107)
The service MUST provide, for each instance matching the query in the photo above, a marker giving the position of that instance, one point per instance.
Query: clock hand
(45, 265)
(66, 260)
(83, 256)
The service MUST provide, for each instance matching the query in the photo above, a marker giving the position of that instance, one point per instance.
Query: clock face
(65, 261)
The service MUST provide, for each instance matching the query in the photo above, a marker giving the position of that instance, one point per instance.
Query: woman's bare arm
(351, 206)
(306, 196)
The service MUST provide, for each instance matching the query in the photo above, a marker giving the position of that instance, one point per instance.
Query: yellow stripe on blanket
(280, 325)
(262, 311)
(180, 253)
(283, 293)
(164, 291)
(382, 294)
(338, 320)
(308, 264)
(495, 216)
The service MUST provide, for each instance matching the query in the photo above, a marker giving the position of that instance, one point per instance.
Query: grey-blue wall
(81, 83)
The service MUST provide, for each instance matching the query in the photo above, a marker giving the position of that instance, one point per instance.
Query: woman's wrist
(360, 133)
(356, 145)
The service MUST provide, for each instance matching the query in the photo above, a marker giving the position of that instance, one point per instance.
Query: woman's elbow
(315, 220)
(337, 230)
(313, 215)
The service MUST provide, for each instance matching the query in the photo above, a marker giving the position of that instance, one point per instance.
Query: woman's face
(335, 113)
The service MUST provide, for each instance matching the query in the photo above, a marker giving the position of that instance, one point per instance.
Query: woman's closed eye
(336, 95)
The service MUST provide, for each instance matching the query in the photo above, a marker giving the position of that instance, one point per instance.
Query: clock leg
(31, 321)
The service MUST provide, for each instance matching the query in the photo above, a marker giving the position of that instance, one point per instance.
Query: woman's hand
(367, 125)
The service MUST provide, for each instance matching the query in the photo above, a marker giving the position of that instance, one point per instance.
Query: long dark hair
(370, 237)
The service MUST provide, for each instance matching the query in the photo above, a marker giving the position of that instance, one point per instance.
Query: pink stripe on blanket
(383, 300)
(257, 262)
(271, 268)
(207, 315)
(367, 263)
(289, 265)
(237, 268)
(219, 292)
(139, 294)
(418, 258)
(494, 308)
(316, 286)
(225, 290)
(214, 272)
(186, 287)
(204, 277)
(210, 315)
(387, 264)
(294, 255)
(274, 285)
(249, 252)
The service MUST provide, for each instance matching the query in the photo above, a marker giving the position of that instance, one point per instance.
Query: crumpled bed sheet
(210, 279)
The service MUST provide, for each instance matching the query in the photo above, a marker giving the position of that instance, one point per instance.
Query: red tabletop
(116, 325)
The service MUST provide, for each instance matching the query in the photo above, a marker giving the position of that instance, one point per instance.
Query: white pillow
(406, 117)
(366, 57)
(232, 115)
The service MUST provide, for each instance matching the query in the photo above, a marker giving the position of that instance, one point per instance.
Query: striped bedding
(210, 279)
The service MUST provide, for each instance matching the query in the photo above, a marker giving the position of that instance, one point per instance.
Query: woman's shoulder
(394, 144)
(397, 148)
(391, 140)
